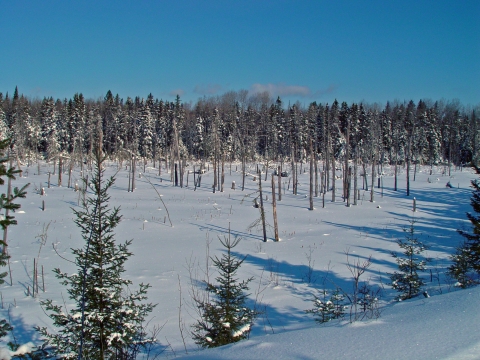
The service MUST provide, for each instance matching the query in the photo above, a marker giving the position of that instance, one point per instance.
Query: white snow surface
(440, 327)
(443, 326)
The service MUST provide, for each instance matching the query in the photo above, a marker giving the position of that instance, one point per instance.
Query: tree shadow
(223, 230)
(22, 332)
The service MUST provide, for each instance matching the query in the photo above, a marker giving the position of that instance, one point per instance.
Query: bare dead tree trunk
(214, 174)
(219, 180)
(223, 173)
(274, 206)
(311, 175)
(296, 178)
(408, 166)
(408, 176)
(348, 185)
(365, 179)
(373, 179)
(176, 174)
(279, 174)
(322, 179)
(129, 174)
(327, 168)
(194, 179)
(60, 163)
(133, 172)
(262, 209)
(294, 172)
(243, 171)
(316, 174)
(355, 181)
(70, 170)
(396, 170)
(347, 170)
(333, 178)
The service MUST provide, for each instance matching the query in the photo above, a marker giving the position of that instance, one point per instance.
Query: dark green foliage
(407, 281)
(461, 268)
(466, 260)
(4, 325)
(327, 308)
(368, 299)
(224, 318)
(6, 205)
(107, 320)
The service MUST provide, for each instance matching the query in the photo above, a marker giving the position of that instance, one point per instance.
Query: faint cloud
(208, 89)
(281, 89)
(38, 92)
(176, 92)
(330, 89)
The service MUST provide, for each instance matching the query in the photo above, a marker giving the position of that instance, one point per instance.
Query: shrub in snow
(328, 307)
(466, 260)
(107, 319)
(224, 317)
(406, 280)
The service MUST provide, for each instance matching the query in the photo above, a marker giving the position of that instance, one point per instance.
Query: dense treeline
(236, 126)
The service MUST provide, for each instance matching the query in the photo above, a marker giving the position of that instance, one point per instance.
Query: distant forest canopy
(239, 126)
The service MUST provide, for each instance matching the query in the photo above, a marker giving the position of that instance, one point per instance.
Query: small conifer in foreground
(224, 317)
(107, 318)
(407, 280)
(327, 308)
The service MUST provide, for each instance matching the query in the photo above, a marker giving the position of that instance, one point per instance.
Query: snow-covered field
(309, 257)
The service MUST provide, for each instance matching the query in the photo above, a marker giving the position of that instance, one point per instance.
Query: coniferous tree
(107, 319)
(6, 205)
(225, 318)
(433, 136)
(327, 307)
(146, 131)
(49, 136)
(109, 120)
(466, 260)
(407, 281)
(4, 131)
(461, 268)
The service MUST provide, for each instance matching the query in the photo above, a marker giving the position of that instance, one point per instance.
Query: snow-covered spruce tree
(407, 281)
(6, 205)
(466, 260)
(461, 268)
(224, 317)
(327, 308)
(107, 319)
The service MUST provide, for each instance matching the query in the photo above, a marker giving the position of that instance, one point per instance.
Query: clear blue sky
(301, 50)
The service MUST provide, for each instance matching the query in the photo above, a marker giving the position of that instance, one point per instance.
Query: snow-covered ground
(309, 257)
(440, 327)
